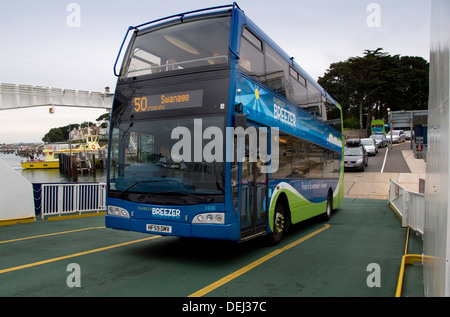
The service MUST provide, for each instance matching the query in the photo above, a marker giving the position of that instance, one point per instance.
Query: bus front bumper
(170, 228)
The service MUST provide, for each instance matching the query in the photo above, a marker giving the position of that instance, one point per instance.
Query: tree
(54, 135)
(377, 81)
(103, 120)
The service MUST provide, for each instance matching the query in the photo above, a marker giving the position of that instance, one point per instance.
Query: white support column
(437, 208)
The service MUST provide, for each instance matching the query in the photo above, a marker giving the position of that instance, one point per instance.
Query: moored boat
(52, 155)
(51, 161)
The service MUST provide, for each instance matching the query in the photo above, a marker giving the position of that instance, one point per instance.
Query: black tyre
(329, 208)
(279, 224)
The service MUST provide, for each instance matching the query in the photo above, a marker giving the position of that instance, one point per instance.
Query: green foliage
(377, 81)
(60, 134)
(54, 135)
(104, 119)
(351, 123)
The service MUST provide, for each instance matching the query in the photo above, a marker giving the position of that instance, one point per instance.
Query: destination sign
(168, 101)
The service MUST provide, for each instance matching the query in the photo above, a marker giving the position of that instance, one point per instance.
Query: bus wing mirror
(240, 120)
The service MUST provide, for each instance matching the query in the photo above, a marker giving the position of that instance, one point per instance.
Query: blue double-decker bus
(217, 133)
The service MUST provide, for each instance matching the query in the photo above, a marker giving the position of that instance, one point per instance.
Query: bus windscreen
(179, 46)
(143, 161)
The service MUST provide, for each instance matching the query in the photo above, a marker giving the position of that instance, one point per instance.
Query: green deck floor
(332, 263)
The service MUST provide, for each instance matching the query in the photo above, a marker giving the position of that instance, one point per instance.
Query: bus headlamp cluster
(118, 211)
(211, 217)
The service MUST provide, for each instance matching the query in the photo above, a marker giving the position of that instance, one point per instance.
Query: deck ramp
(16, 196)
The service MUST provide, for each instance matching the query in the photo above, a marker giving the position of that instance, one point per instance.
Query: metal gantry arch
(13, 96)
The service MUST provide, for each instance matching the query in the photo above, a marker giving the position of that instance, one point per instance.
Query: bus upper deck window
(252, 58)
(195, 43)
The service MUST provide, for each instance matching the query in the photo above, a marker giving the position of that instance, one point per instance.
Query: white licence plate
(159, 228)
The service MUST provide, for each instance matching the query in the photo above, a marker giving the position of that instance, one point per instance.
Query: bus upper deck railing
(64, 198)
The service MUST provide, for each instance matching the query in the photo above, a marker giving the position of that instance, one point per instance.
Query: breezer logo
(166, 212)
(284, 115)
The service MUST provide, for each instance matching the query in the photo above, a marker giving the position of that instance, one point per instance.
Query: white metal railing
(62, 198)
(409, 205)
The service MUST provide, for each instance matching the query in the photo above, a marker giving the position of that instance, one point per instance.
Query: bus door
(253, 193)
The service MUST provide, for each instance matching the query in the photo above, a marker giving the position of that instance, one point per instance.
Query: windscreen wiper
(176, 192)
(146, 181)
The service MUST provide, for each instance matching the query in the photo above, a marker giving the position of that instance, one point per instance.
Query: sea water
(37, 176)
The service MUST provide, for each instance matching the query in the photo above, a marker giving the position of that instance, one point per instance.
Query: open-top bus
(217, 133)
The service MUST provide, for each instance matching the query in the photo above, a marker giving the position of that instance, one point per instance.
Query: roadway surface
(393, 160)
(397, 164)
(315, 259)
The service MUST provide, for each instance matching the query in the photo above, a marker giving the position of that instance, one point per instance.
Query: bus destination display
(168, 101)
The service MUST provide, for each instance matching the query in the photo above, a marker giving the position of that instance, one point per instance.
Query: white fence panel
(58, 199)
(409, 205)
(416, 215)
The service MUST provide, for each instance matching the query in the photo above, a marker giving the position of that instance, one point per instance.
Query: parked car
(370, 145)
(355, 157)
(408, 135)
(353, 142)
(397, 136)
(380, 140)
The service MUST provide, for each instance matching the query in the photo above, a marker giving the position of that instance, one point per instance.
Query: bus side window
(251, 59)
(276, 71)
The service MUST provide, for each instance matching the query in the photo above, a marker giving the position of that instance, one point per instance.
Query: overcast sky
(38, 47)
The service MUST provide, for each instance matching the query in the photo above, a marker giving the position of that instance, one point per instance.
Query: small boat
(52, 155)
(51, 161)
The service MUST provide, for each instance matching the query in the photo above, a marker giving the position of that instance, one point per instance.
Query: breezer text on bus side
(283, 115)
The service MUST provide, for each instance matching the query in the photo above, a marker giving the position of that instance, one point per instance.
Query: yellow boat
(51, 161)
(52, 156)
(91, 144)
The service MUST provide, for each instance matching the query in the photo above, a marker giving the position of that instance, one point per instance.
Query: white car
(397, 136)
(380, 140)
(370, 145)
(408, 135)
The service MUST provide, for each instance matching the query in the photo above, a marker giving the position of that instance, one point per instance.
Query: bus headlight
(220, 218)
(118, 211)
(211, 217)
